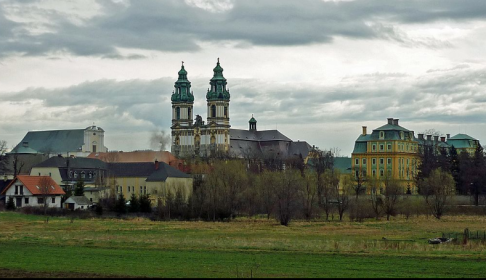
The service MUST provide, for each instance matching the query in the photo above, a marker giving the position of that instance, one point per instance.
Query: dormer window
(75, 174)
(402, 135)
(382, 134)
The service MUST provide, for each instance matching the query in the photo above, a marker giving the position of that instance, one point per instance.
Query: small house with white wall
(34, 191)
(77, 202)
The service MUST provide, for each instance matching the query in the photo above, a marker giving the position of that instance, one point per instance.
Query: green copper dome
(252, 120)
(182, 88)
(218, 83)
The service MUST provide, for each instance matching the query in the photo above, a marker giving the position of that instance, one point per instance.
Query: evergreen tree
(121, 205)
(479, 169)
(134, 204)
(10, 204)
(145, 204)
(455, 169)
(79, 189)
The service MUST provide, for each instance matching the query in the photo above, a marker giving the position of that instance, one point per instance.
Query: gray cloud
(173, 25)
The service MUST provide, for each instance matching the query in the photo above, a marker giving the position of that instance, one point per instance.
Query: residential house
(34, 191)
(77, 202)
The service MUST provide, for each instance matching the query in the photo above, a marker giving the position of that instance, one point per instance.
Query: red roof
(33, 184)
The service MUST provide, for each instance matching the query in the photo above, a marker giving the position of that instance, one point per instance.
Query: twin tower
(193, 137)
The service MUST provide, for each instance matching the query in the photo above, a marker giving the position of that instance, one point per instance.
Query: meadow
(241, 248)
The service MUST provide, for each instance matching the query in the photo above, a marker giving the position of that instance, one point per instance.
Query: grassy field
(29, 247)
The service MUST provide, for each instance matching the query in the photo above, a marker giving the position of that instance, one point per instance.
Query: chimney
(429, 137)
(420, 136)
(448, 135)
(156, 165)
(364, 130)
(395, 122)
(442, 139)
(436, 138)
(390, 120)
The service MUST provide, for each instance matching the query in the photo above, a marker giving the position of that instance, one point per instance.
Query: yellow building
(390, 151)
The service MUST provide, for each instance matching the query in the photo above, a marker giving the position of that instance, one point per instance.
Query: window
(382, 147)
(356, 174)
(70, 174)
(53, 200)
(213, 111)
(90, 175)
(382, 134)
(388, 147)
(75, 174)
(364, 161)
(388, 160)
(17, 189)
(189, 113)
(128, 189)
(373, 161)
(26, 200)
(145, 190)
(382, 161)
(402, 135)
(82, 207)
(374, 173)
(356, 161)
(382, 172)
(373, 147)
(83, 174)
(50, 175)
(140, 189)
(178, 113)
(40, 200)
(225, 112)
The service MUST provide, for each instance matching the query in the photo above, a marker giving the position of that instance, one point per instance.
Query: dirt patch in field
(14, 273)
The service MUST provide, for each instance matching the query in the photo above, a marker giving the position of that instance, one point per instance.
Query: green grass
(140, 247)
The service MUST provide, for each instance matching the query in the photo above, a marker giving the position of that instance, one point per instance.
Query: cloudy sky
(316, 70)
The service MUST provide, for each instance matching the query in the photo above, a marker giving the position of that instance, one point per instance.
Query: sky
(315, 70)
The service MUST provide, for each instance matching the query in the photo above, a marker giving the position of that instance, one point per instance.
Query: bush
(10, 204)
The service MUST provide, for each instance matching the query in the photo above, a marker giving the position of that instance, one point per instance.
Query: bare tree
(3, 156)
(308, 194)
(46, 189)
(376, 199)
(160, 140)
(290, 181)
(392, 192)
(267, 182)
(329, 180)
(442, 187)
(341, 192)
(17, 164)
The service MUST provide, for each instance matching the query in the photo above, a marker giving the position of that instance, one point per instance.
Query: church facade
(192, 136)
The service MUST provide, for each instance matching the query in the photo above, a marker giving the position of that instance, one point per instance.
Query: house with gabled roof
(77, 202)
(34, 191)
(153, 178)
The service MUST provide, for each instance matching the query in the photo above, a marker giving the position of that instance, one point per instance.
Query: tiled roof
(32, 183)
(135, 156)
(52, 141)
(145, 169)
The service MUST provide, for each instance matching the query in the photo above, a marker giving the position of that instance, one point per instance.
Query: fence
(470, 234)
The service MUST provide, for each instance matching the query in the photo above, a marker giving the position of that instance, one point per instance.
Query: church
(194, 137)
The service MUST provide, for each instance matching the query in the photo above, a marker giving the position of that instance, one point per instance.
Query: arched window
(213, 111)
(189, 113)
(178, 113)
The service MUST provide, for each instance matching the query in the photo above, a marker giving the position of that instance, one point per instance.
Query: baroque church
(194, 137)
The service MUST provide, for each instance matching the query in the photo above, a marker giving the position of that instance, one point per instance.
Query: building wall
(52, 172)
(32, 199)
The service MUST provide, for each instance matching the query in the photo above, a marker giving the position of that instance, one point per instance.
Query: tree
(479, 174)
(290, 181)
(160, 140)
(79, 189)
(308, 193)
(267, 182)
(134, 204)
(3, 156)
(376, 199)
(442, 188)
(321, 161)
(455, 169)
(392, 192)
(342, 194)
(10, 204)
(330, 184)
(121, 205)
(46, 189)
(145, 204)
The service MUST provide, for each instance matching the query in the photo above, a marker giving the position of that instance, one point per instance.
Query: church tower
(218, 98)
(182, 115)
